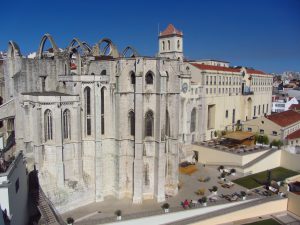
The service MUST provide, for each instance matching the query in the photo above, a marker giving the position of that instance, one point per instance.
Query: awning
(239, 135)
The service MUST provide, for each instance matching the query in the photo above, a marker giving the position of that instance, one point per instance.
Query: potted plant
(166, 207)
(232, 172)
(70, 221)
(214, 190)
(119, 214)
(204, 201)
(243, 194)
(221, 168)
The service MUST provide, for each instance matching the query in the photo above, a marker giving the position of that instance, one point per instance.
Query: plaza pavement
(103, 212)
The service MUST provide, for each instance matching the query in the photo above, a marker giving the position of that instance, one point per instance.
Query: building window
(132, 78)
(149, 122)
(178, 44)
(267, 108)
(163, 45)
(48, 125)
(146, 175)
(193, 120)
(233, 116)
(226, 114)
(274, 133)
(132, 123)
(103, 110)
(263, 109)
(254, 113)
(168, 130)
(149, 78)
(103, 72)
(261, 131)
(66, 124)
(87, 111)
(17, 185)
(169, 44)
(249, 129)
(259, 110)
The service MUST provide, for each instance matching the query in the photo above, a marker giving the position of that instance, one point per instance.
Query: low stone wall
(290, 161)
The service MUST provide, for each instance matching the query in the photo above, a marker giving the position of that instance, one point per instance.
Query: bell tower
(171, 43)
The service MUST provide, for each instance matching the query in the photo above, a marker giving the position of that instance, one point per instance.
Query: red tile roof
(294, 135)
(295, 107)
(285, 118)
(218, 68)
(171, 30)
(252, 71)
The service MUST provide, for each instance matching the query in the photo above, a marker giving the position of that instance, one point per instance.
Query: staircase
(259, 158)
(48, 214)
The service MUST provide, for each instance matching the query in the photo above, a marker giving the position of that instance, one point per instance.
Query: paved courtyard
(103, 212)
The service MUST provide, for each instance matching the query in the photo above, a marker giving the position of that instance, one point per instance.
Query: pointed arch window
(87, 111)
(102, 110)
(149, 122)
(168, 133)
(146, 175)
(193, 120)
(67, 124)
(131, 118)
(48, 125)
(132, 78)
(149, 78)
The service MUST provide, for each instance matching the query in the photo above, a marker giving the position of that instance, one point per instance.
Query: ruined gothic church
(97, 122)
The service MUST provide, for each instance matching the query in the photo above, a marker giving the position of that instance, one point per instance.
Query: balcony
(247, 93)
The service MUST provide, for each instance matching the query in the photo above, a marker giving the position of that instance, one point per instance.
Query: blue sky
(263, 34)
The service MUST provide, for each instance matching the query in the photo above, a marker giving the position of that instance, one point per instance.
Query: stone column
(138, 142)
(76, 137)
(57, 136)
(98, 145)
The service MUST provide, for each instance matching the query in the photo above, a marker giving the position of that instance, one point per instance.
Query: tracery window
(193, 120)
(149, 122)
(87, 111)
(67, 124)
(103, 110)
(131, 118)
(48, 125)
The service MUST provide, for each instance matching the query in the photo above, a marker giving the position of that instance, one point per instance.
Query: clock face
(184, 87)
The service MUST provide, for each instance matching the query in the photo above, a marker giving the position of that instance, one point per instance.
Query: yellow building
(229, 95)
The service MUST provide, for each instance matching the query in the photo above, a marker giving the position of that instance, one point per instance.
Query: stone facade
(96, 122)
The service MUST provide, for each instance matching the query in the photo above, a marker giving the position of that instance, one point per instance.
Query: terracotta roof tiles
(285, 118)
(217, 68)
(294, 135)
(171, 30)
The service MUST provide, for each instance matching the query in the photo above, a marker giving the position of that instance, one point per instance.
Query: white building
(14, 190)
(282, 103)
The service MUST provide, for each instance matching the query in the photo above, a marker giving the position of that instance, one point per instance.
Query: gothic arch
(109, 48)
(76, 44)
(13, 50)
(129, 52)
(42, 44)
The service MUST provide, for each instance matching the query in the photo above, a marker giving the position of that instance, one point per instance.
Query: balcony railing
(248, 93)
